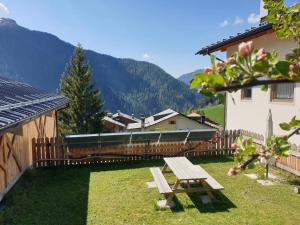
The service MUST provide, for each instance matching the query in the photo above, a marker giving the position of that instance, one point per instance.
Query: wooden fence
(292, 162)
(52, 152)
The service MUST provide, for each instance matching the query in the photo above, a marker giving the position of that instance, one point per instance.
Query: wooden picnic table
(189, 178)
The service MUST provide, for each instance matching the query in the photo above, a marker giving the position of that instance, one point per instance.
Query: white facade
(167, 120)
(177, 122)
(251, 114)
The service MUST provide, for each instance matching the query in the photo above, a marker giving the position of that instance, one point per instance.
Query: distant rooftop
(108, 119)
(193, 114)
(20, 102)
(156, 118)
(133, 118)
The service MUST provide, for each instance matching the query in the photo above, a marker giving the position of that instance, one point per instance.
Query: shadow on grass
(178, 206)
(48, 196)
(223, 204)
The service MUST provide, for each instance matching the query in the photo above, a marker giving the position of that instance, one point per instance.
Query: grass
(214, 113)
(117, 194)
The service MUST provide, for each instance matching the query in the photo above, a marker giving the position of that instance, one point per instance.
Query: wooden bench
(159, 179)
(215, 185)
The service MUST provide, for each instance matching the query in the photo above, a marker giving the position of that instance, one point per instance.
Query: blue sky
(165, 32)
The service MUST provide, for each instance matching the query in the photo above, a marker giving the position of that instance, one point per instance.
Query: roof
(245, 36)
(193, 114)
(108, 119)
(126, 116)
(155, 119)
(20, 102)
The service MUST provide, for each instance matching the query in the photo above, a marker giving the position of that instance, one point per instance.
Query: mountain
(186, 78)
(131, 86)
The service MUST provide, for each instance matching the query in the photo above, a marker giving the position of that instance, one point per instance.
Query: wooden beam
(12, 151)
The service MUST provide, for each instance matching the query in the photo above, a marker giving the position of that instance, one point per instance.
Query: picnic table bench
(189, 178)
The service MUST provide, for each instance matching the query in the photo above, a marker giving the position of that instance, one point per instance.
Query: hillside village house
(25, 113)
(248, 108)
(167, 120)
(112, 126)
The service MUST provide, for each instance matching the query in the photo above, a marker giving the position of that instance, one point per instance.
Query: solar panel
(105, 139)
(19, 102)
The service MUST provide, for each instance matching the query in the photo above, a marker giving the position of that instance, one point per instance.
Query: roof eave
(231, 41)
(28, 119)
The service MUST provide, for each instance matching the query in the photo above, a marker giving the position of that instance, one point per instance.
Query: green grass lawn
(214, 113)
(117, 194)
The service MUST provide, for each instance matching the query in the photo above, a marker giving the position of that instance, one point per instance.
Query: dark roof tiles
(20, 102)
(264, 26)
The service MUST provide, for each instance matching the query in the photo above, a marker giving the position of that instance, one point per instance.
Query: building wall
(112, 128)
(182, 123)
(16, 148)
(252, 114)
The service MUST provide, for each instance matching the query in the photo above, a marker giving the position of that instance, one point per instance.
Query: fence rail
(53, 152)
(48, 152)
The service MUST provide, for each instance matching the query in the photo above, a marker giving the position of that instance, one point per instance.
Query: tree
(84, 114)
(249, 67)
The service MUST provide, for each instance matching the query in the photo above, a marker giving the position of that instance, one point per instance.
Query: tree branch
(296, 131)
(235, 87)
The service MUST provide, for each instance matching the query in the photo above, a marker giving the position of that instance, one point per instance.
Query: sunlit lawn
(117, 194)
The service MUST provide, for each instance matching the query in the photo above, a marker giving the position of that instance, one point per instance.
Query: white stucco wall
(252, 114)
(182, 123)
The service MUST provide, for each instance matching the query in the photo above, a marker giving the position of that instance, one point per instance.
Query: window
(172, 122)
(246, 93)
(282, 92)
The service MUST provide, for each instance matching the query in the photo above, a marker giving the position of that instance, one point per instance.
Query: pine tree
(84, 114)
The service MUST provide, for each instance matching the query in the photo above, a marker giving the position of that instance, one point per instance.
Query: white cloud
(224, 23)
(238, 20)
(146, 56)
(253, 18)
(3, 9)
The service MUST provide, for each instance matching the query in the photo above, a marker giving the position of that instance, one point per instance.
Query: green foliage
(285, 20)
(249, 66)
(84, 114)
(243, 149)
(290, 125)
(277, 146)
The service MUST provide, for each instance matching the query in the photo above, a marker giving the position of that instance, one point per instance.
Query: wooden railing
(52, 152)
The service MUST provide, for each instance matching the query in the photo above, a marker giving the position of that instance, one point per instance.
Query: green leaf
(221, 97)
(195, 82)
(261, 66)
(213, 61)
(283, 67)
(285, 126)
(264, 87)
(213, 80)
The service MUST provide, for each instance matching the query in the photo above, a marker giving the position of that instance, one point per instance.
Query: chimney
(142, 122)
(263, 12)
(202, 119)
(109, 114)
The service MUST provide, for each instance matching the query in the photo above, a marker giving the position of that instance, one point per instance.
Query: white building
(167, 120)
(248, 108)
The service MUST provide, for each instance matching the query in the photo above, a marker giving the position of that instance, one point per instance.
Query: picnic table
(189, 178)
